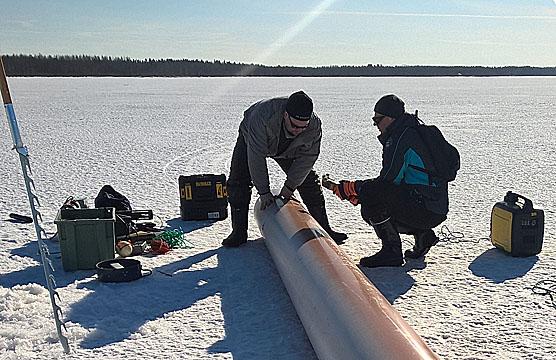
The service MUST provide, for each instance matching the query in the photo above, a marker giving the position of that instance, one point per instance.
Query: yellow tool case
(203, 197)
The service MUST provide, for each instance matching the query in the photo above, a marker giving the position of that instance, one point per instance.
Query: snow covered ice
(467, 300)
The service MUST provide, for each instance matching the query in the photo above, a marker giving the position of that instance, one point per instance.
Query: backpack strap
(418, 168)
(423, 170)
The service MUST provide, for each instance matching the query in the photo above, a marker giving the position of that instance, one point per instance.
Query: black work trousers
(381, 200)
(240, 184)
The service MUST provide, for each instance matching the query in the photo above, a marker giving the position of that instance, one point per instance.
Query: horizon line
(114, 57)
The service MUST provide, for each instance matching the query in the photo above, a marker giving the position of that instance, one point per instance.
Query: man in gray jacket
(287, 130)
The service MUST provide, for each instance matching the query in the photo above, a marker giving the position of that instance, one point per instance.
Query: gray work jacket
(260, 128)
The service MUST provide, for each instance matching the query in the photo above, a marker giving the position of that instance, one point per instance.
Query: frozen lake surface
(467, 300)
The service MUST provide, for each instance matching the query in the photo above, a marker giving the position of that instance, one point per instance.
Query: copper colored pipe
(344, 315)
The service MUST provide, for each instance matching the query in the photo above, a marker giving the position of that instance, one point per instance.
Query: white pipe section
(344, 315)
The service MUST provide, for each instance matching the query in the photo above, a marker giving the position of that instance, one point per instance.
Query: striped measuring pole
(33, 203)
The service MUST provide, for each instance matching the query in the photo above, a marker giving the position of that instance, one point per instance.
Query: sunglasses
(378, 119)
(296, 126)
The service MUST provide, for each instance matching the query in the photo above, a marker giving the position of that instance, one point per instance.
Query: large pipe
(344, 315)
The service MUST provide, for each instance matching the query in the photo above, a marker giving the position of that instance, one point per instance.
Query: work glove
(267, 199)
(345, 190)
(286, 193)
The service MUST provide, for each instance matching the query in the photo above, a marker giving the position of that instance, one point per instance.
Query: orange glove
(345, 190)
(354, 200)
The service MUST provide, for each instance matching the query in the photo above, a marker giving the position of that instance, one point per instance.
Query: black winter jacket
(402, 151)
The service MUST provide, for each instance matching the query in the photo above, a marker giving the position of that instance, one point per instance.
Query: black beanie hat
(390, 105)
(300, 106)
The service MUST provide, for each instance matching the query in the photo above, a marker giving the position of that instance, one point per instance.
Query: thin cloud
(504, 17)
(489, 43)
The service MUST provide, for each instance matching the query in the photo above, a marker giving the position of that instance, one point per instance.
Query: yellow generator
(516, 227)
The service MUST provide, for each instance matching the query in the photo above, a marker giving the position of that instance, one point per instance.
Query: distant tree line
(85, 65)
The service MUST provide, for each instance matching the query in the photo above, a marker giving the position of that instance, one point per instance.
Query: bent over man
(287, 130)
(405, 195)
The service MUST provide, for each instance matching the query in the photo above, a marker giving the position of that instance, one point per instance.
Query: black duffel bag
(108, 197)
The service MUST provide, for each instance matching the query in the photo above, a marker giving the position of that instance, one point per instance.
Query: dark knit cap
(300, 106)
(390, 105)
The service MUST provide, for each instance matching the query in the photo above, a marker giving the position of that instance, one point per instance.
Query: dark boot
(423, 242)
(391, 252)
(338, 237)
(319, 214)
(313, 198)
(239, 228)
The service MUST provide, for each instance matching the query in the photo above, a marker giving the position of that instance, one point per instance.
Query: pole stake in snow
(33, 203)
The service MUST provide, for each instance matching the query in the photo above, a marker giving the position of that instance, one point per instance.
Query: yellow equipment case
(516, 227)
(203, 197)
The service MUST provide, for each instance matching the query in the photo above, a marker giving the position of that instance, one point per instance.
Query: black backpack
(445, 156)
(108, 197)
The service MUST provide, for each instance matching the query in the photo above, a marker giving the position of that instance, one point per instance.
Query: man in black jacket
(404, 195)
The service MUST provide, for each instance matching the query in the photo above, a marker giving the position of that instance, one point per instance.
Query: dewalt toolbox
(516, 227)
(203, 197)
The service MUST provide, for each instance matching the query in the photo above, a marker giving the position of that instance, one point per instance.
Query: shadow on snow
(188, 226)
(497, 266)
(35, 274)
(393, 282)
(256, 307)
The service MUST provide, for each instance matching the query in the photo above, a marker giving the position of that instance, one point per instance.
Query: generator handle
(512, 197)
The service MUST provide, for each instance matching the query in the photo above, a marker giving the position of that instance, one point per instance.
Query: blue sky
(307, 33)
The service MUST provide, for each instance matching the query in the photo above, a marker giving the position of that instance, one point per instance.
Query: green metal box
(86, 236)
